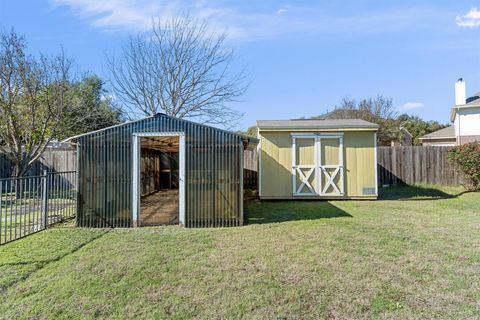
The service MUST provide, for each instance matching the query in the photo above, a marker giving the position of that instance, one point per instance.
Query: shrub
(467, 159)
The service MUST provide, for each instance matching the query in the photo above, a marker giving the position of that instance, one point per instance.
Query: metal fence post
(45, 199)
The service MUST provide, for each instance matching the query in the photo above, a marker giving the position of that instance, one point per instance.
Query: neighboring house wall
(439, 142)
(468, 139)
(467, 125)
(465, 117)
(467, 122)
(442, 137)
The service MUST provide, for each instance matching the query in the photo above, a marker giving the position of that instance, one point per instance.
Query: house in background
(405, 138)
(465, 117)
(443, 137)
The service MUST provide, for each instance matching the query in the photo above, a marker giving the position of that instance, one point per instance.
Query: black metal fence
(31, 204)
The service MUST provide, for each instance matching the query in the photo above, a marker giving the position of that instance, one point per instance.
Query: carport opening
(159, 180)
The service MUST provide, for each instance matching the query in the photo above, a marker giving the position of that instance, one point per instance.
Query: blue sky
(303, 56)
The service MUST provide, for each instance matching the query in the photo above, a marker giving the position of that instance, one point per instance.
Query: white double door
(317, 165)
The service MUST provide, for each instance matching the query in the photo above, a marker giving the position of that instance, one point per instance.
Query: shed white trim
(375, 161)
(259, 165)
(319, 170)
(136, 172)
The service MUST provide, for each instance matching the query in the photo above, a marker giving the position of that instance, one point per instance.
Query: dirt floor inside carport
(160, 208)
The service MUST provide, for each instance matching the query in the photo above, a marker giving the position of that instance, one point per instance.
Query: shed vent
(369, 191)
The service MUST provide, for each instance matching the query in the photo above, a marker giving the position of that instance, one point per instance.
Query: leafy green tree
(41, 100)
(92, 108)
(35, 95)
(418, 127)
(251, 131)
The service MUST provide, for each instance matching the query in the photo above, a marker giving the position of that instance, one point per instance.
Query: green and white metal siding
(213, 174)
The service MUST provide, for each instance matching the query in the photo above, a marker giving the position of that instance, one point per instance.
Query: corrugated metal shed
(213, 173)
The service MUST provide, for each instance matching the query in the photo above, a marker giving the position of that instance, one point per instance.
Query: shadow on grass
(405, 192)
(260, 212)
(26, 263)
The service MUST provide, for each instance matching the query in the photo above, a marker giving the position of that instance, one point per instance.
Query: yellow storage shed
(317, 159)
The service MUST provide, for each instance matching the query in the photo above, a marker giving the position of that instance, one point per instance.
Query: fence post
(45, 199)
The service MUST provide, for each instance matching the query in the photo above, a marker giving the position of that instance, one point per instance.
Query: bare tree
(180, 68)
(34, 94)
(379, 110)
(380, 107)
(370, 109)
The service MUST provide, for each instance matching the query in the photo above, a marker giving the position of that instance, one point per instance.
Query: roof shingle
(448, 132)
(315, 124)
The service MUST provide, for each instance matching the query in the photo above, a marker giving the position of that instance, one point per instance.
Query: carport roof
(249, 142)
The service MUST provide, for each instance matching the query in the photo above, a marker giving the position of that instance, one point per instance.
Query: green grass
(416, 255)
(20, 217)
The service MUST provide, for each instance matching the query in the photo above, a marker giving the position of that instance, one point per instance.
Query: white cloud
(129, 14)
(410, 106)
(283, 10)
(241, 23)
(469, 20)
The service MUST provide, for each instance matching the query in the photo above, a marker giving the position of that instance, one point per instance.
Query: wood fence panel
(52, 160)
(416, 165)
(396, 165)
(250, 160)
(60, 160)
(250, 169)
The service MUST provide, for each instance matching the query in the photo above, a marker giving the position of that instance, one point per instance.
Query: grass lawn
(21, 217)
(415, 254)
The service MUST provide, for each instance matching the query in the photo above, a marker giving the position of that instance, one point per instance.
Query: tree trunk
(18, 173)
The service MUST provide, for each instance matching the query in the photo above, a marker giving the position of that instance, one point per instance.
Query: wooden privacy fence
(416, 165)
(60, 160)
(250, 168)
(396, 165)
(52, 160)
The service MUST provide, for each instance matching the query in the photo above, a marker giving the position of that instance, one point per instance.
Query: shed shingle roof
(315, 124)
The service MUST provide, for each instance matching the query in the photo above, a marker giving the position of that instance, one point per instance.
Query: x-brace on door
(317, 165)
